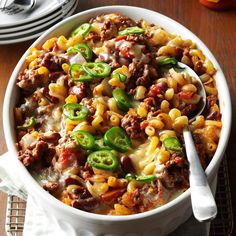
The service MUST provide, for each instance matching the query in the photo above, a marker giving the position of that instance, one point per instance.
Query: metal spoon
(203, 202)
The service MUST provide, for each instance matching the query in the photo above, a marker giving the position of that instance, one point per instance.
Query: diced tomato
(125, 53)
(155, 90)
(64, 158)
(120, 38)
(186, 94)
(144, 124)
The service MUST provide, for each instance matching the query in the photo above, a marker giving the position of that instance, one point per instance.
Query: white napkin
(9, 183)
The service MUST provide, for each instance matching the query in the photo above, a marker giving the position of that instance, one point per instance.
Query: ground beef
(153, 104)
(93, 37)
(79, 90)
(199, 68)
(52, 138)
(50, 98)
(123, 22)
(108, 30)
(30, 80)
(142, 74)
(175, 174)
(53, 62)
(211, 101)
(28, 108)
(39, 152)
(51, 187)
(131, 124)
(145, 79)
(88, 103)
(55, 75)
(188, 110)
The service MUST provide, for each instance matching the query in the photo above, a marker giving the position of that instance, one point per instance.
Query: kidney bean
(126, 164)
(87, 204)
(163, 86)
(112, 195)
(69, 181)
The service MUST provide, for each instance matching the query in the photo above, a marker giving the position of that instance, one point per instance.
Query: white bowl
(158, 222)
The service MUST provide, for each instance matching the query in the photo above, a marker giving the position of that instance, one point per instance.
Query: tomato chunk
(186, 94)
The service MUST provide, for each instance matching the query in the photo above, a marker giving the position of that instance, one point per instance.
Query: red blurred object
(218, 4)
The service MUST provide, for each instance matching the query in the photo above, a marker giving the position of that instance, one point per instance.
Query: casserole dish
(78, 222)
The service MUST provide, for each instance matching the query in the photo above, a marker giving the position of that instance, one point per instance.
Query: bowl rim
(55, 203)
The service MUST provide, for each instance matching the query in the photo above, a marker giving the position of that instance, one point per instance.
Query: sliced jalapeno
(78, 74)
(145, 178)
(130, 177)
(168, 61)
(83, 139)
(82, 48)
(29, 123)
(131, 30)
(173, 144)
(117, 139)
(82, 30)
(104, 160)
(119, 76)
(100, 145)
(122, 99)
(97, 69)
(75, 111)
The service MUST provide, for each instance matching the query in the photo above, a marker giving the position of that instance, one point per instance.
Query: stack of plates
(31, 24)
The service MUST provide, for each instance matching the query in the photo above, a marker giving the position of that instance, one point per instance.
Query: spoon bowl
(203, 202)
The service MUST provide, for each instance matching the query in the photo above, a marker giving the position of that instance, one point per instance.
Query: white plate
(31, 24)
(42, 8)
(39, 32)
(66, 8)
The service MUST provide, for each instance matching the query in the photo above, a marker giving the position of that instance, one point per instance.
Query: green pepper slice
(29, 123)
(122, 99)
(168, 61)
(117, 139)
(104, 160)
(82, 30)
(119, 76)
(145, 178)
(100, 145)
(82, 48)
(75, 111)
(131, 30)
(173, 144)
(78, 74)
(97, 69)
(83, 139)
(130, 177)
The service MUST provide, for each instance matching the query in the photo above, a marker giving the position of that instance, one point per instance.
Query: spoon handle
(203, 202)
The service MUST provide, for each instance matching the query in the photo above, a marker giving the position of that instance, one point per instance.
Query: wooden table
(216, 29)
